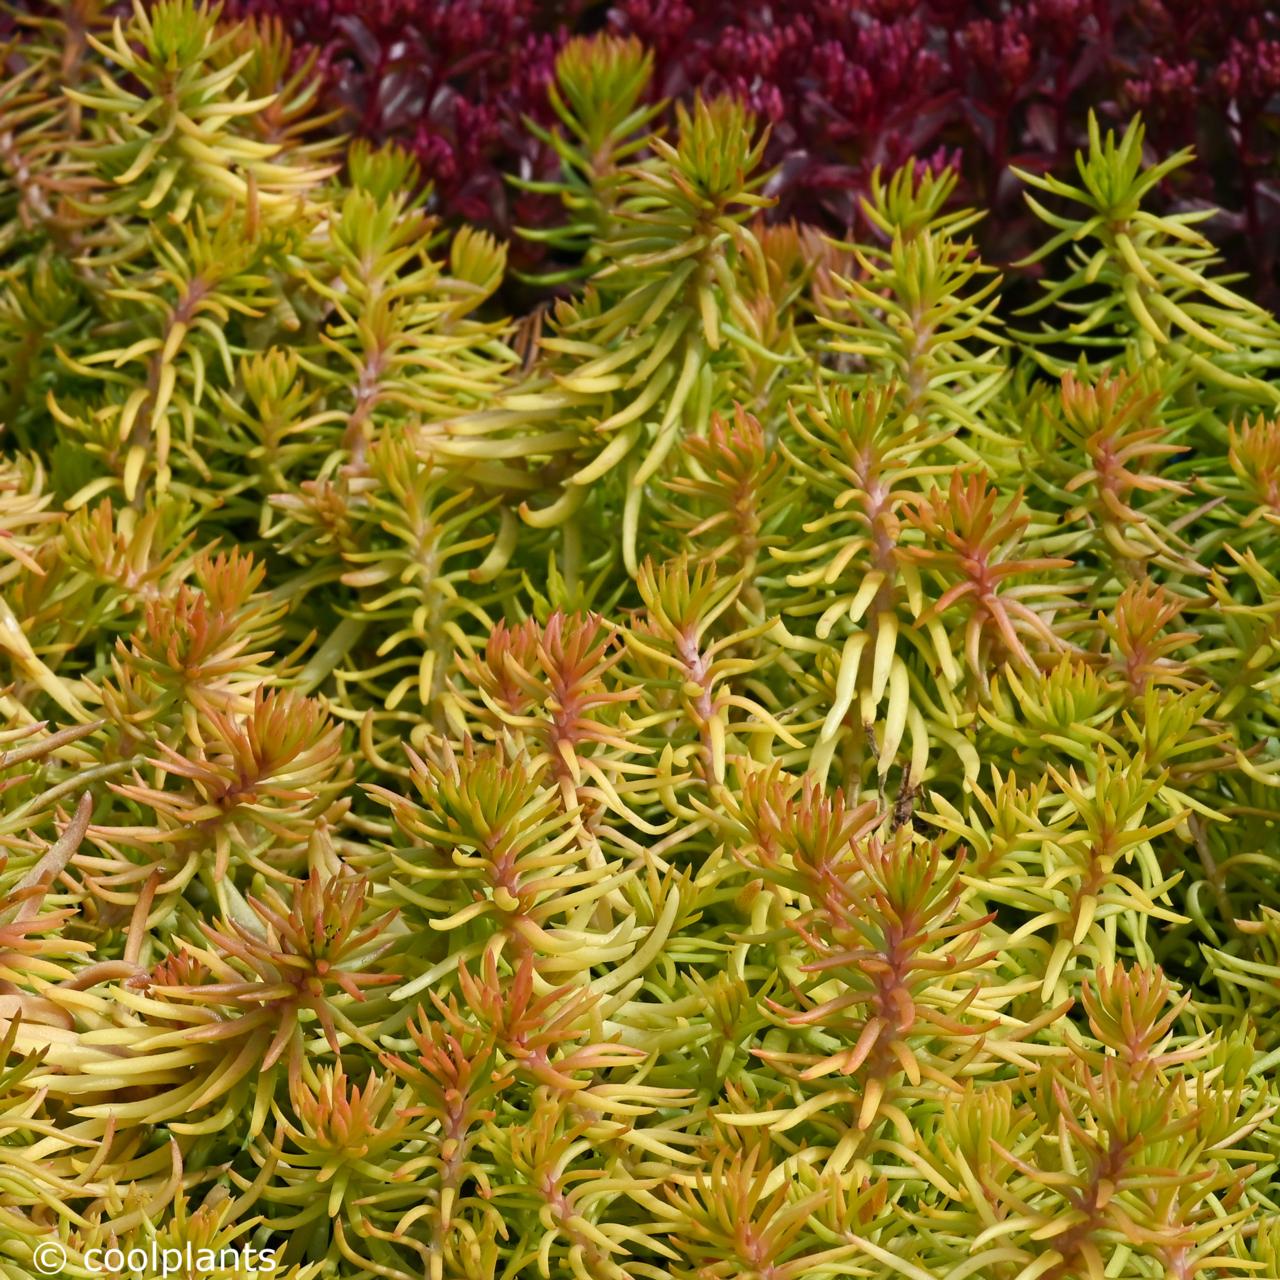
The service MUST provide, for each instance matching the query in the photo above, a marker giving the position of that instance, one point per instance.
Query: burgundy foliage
(845, 84)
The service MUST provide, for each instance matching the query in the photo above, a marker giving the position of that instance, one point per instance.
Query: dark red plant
(847, 85)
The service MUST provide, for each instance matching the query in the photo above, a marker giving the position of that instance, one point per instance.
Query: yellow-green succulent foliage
(766, 767)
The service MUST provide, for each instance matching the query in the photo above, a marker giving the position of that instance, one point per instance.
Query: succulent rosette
(728, 727)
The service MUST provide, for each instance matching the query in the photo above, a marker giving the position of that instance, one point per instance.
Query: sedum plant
(767, 767)
(848, 88)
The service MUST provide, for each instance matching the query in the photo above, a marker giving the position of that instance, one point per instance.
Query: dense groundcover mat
(763, 763)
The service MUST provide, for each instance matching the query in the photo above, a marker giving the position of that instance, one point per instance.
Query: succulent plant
(765, 768)
(846, 88)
